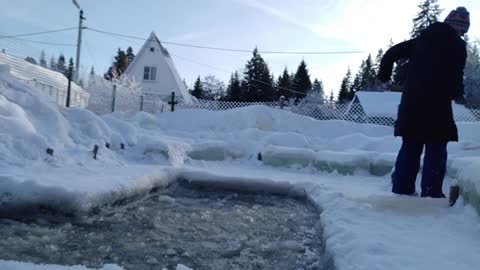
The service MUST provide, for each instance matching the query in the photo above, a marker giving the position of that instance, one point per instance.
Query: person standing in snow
(436, 60)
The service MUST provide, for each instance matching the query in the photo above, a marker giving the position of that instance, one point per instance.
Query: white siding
(167, 78)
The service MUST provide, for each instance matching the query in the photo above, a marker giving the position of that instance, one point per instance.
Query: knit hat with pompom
(459, 19)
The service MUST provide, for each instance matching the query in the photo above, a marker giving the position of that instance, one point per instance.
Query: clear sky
(274, 25)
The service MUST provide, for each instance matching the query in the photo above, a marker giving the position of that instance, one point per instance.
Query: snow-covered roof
(381, 104)
(28, 71)
(378, 103)
(165, 74)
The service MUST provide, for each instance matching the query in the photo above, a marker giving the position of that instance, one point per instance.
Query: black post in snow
(173, 102)
(69, 87)
(282, 102)
(95, 151)
(114, 97)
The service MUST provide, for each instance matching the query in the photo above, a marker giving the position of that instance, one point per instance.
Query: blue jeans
(408, 165)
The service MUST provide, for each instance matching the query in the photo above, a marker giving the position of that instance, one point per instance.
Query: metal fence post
(69, 87)
(141, 103)
(173, 102)
(114, 97)
(282, 102)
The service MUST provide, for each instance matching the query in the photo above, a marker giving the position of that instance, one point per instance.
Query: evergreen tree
(198, 89)
(234, 89)
(472, 73)
(257, 83)
(317, 87)
(284, 85)
(53, 64)
(42, 60)
(121, 61)
(428, 14)
(119, 65)
(61, 64)
(344, 94)
(356, 86)
(316, 94)
(31, 60)
(368, 74)
(130, 55)
(331, 97)
(110, 74)
(378, 60)
(301, 82)
(390, 44)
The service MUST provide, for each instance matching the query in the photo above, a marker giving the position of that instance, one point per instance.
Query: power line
(44, 42)
(124, 39)
(228, 49)
(39, 33)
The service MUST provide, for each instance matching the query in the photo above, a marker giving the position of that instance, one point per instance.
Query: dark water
(179, 225)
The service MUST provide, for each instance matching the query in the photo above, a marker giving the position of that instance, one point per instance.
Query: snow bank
(68, 180)
(469, 180)
(30, 123)
(343, 162)
(263, 119)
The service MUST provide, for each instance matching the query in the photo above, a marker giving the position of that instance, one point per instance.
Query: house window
(149, 73)
(152, 49)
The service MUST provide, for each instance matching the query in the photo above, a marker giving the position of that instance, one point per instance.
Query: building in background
(381, 108)
(154, 69)
(52, 83)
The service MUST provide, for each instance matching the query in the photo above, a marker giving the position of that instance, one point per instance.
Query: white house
(382, 107)
(154, 69)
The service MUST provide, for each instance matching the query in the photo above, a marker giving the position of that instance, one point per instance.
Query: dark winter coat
(436, 60)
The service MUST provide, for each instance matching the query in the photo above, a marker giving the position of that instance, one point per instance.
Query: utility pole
(79, 45)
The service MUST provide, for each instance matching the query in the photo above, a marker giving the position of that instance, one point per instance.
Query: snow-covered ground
(344, 167)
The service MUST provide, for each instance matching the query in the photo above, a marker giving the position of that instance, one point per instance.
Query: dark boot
(434, 168)
(407, 167)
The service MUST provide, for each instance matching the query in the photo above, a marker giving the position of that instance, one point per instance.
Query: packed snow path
(202, 230)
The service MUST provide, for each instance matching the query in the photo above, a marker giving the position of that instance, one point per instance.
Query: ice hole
(197, 224)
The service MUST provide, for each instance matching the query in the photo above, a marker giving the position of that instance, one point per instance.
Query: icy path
(366, 227)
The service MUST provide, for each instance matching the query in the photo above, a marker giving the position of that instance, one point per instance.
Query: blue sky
(282, 25)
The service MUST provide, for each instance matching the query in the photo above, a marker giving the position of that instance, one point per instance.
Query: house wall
(166, 81)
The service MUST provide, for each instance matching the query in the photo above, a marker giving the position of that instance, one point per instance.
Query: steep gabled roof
(144, 46)
(171, 67)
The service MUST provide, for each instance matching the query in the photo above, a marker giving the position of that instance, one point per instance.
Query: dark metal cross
(173, 102)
